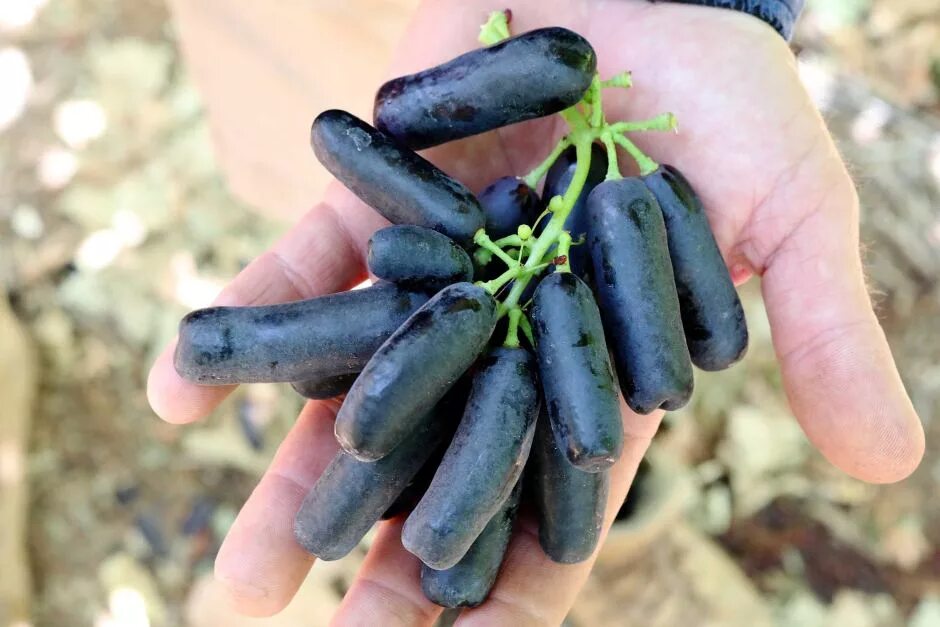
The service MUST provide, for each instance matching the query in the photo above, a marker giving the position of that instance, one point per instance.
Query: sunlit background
(115, 220)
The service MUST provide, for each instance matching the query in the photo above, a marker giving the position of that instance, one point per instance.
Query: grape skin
(308, 339)
(578, 383)
(351, 495)
(416, 257)
(508, 203)
(570, 502)
(637, 296)
(468, 582)
(413, 370)
(395, 181)
(482, 463)
(529, 76)
(712, 315)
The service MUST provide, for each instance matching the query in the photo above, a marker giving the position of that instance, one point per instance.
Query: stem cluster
(526, 256)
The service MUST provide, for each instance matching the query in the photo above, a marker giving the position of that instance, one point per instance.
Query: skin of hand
(782, 206)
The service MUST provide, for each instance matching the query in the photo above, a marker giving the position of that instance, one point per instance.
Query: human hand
(781, 205)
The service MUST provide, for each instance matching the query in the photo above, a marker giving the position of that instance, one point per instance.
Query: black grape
(452, 405)
(482, 463)
(570, 502)
(637, 295)
(468, 582)
(414, 368)
(308, 339)
(393, 180)
(507, 203)
(578, 382)
(328, 386)
(416, 488)
(529, 76)
(416, 257)
(712, 316)
(351, 495)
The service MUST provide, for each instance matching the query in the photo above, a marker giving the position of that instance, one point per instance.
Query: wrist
(781, 15)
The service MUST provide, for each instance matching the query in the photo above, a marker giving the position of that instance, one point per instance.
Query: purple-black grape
(452, 406)
(306, 339)
(578, 383)
(351, 495)
(507, 203)
(393, 180)
(468, 582)
(413, 369)
(327, 386)
(570, 502)
(637, 295)
(529, 76)
(712, 316)
(417, 257)
(482, 463)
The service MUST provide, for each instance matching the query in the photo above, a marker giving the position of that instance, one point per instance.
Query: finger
(387, 589)
(260, 564)
(533, 590)
(323, 253)
(838, 372)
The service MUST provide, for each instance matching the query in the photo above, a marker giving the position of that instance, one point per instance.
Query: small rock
(927, 613)
(132, 592)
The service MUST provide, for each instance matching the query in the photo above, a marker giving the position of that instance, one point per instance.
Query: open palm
(779, 200)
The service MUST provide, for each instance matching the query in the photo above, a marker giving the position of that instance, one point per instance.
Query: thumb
(838, 372)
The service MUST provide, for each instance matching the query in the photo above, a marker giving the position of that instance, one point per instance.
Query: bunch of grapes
(464, 397)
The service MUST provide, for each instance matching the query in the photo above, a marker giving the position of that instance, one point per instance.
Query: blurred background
(118, 213)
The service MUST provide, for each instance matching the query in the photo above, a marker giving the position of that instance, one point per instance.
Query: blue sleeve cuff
(780, 14)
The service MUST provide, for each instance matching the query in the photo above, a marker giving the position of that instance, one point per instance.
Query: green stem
(564, 247)
(526, 329)
(646, 165)
(662, 122)
(509, 240)
(495, 30)
(597, 109)
(582, 142)
(574, 118)
(482, 257)
(613, 167)
(536, 269)
(496, 284)
(512, 335)
(623, 80)
(532, 178)
(481, 239)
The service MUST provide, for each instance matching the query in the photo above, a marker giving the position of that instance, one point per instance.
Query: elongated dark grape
(574, 366)
(351, 495)
(393, 180)
(507, 203)
(482, 463)
(557, 181)
(570, 502)
(326, 387)
(416, 488)
(307, 339)
(468, 582)
(452, 405)
(414, 368)
(712, 316)
(637, 295)
(529, 76)
(415, 256)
